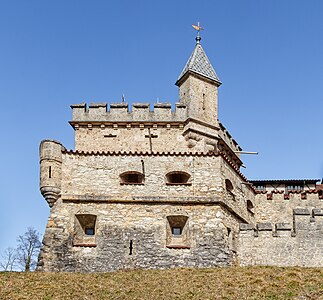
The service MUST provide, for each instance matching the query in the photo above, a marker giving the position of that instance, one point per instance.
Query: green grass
(217, 283)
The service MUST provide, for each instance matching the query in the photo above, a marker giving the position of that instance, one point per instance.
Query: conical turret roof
(200, 64)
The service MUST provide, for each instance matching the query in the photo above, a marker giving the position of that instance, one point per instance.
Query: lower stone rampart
(131, 236)
(299, 243)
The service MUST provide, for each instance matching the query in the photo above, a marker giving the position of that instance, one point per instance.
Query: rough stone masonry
(159, 188)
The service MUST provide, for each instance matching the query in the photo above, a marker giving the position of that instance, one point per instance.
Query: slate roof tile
(200, 64)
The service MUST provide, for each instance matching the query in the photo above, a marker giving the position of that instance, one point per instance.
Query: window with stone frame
(84, 230)
(178, 178)
(132, 177)
(177, 232)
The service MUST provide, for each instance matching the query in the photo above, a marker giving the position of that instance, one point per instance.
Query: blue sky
(267, 53)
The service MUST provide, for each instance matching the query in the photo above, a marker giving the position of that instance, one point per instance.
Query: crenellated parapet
(228, 139)
(296, 243)
(311, 194)
(303, 219)
(193, 134)
(264, 228)
(50, 170)
(138, 112)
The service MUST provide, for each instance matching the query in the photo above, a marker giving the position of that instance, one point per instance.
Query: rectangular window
(89, 231)
(176, 231)
(295, 187)
(260, 187)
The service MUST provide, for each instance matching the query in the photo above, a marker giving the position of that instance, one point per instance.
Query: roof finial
(198, 28)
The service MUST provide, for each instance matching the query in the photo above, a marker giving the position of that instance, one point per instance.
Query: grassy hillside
(218, 283)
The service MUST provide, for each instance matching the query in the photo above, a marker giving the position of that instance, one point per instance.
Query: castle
(160, 188)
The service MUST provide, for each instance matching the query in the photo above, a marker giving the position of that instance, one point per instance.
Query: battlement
(122, 112)
(312, 194)
(228, 139)
(303, 219)
(284, 244)
(259, 228)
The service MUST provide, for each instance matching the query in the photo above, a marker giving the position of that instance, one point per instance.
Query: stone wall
(135, 236)
(119, 129)
(298, 243)
(279, 208)
(133, 222)
(94, 176)
(131, 138)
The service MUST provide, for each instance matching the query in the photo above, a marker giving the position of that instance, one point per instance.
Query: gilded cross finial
(198, 28)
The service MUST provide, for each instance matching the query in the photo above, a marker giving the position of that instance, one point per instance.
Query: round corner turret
(50, 153)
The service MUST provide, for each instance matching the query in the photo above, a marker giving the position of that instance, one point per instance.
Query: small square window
(295, 187)
(89, 231)
(176, 230)
(260, 187)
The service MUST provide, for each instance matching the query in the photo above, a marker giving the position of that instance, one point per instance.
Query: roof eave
(272, 181)
(198, 75)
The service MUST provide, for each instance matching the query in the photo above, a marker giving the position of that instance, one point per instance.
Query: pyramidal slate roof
(200, 64)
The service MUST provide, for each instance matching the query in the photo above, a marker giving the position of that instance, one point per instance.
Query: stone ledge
(283, 226)
(264, 227)
(245, 227)
(141, 105)
(130, 183)
(317, 212)
(301, 211)
(119, 198)
(170, 183)
(178, 247)
(119, 105)
(162, 105)
(84, 245)
(95, 104)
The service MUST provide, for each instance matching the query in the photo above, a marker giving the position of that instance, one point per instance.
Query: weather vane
(198, 28)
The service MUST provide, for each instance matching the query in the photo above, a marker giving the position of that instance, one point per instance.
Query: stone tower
(198, 87)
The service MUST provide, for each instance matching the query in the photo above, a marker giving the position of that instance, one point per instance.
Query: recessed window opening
(250, 206)
(228, 185)
(132, 177)
(86, 222)
(50, 172)
(85, 230)
(177, 234)
(177, 178)
(228, 231)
